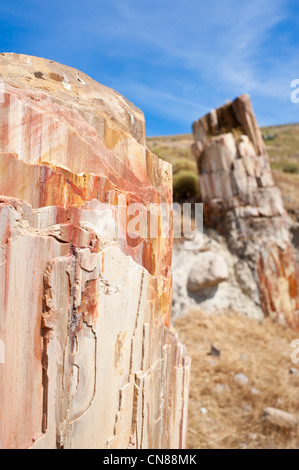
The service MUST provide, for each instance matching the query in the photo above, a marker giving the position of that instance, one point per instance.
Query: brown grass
(288, 184)
(284, 146)
(260, 351)
(172, 148)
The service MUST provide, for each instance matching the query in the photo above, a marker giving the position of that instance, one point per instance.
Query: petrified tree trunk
(241, 202)
(90, 360)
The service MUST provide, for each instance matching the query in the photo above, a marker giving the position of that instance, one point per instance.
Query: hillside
(222, 413)
(282, 144)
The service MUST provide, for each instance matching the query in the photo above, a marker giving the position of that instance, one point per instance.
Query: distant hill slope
(282, 144)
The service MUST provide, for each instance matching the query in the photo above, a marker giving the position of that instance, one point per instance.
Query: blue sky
(175, 59)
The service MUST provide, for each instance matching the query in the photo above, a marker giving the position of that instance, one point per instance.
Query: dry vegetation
(177, 151)
(172, 148)
(288, 184)
(283, 145)
(233, 417)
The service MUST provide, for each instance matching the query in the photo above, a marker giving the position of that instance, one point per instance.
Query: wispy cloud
(167, 104)
(232, 49)
(174, 59)
(220, 44)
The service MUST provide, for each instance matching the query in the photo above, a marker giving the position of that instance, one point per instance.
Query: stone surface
(238, 293)
(242, 203)
(208, 270)
(280, 418)
(91, 360)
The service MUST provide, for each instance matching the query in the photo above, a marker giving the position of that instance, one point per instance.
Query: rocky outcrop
(90, 358)
(224, 283)
(242, 203)
(209, 270)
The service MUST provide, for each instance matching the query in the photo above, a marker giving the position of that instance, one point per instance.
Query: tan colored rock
(280, 418)
(243, 111)
(242, 203)
(218, 154)
(90, 359)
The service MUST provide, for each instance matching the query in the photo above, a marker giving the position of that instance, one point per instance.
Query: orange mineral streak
(84, 306)
(43, 185)
(242, 203)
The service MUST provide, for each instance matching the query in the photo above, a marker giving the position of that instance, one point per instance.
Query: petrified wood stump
(242, 202)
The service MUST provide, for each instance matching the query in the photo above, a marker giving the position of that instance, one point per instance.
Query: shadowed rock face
(242, 203)
(90, 361)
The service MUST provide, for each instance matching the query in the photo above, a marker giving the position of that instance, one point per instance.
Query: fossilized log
(90, 358)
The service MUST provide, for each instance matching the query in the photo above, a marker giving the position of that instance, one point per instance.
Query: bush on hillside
(185, 185)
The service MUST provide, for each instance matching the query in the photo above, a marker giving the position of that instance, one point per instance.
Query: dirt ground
(223, 414)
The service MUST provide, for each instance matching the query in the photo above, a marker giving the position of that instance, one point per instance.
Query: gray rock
(209, 270)
(220, 388)
(241, 379)
(246, 280)
(247, 408)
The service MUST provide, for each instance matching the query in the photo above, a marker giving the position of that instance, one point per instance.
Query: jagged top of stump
(72, 89)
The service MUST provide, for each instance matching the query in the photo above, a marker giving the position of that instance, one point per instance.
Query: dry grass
(284, 146)
(172, 148)
(288, 184)
(260, 351)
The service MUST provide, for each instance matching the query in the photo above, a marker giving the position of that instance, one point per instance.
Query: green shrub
(269, 137)
(290, 168)
(185, 185)
(184, 164)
